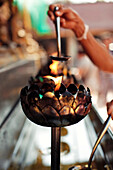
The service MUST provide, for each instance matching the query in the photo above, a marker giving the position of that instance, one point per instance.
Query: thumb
(59, 13)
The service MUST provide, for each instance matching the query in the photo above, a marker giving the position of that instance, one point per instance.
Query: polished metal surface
(101, 134)
(55, 148)
(59, 57)
(57, 27)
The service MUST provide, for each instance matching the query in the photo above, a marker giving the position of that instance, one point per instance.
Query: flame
(57, 81)
(57, 87)
(54, 70)
(54, 53)
(65, 71)
(54, 67)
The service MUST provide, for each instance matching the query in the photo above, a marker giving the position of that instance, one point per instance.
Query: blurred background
(27, 39)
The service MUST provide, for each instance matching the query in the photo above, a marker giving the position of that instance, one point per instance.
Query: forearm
(97, 53)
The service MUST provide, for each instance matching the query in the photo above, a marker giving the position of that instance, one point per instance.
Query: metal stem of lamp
(55, 148)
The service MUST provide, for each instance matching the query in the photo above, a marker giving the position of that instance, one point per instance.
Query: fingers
(66, 13)
(110, 112)
(51, 7)
(69, 19)
(66, 24)
(110, 108)
(51, 15)
(58, 13)
(51, 11)
(63, 22)
(112, 115)
(109, 104)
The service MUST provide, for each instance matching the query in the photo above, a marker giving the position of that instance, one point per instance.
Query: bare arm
(98, 54)
(95, 51)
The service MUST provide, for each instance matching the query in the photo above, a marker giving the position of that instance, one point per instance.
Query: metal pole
(101, 134)
(55, 148)
(57, 27)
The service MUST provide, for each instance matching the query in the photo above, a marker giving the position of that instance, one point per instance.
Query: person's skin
(110, 108)
(98, 54)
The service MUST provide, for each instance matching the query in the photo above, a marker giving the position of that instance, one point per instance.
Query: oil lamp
(55, 101)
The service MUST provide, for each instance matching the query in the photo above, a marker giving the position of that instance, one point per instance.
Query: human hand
(68, 19)
(110, 108)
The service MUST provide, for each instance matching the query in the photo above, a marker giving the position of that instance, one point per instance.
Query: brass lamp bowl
(45, 106)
